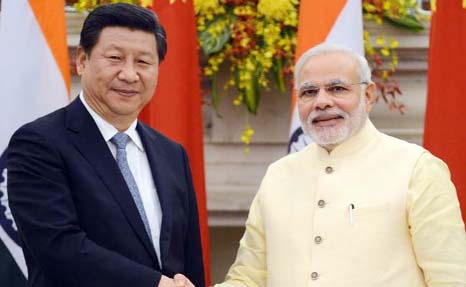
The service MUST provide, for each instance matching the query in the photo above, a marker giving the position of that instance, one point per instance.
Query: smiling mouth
(324, 118)
(126, 93)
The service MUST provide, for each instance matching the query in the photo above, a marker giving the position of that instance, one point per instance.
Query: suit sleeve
(436, 227)
(194, 267)
(43, 208)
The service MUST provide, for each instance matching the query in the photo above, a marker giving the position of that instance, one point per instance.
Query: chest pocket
(363, 210)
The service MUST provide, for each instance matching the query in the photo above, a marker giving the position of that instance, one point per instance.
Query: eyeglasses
(308, 93)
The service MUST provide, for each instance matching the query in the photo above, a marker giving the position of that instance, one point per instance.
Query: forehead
(325, 68)
(125, 38)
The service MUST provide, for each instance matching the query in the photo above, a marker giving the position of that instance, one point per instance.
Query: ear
(370, 96)
(81, 60)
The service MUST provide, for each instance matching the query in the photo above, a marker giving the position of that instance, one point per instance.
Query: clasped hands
(179, 280)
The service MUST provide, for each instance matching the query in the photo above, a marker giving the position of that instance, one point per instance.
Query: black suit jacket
(75, 215)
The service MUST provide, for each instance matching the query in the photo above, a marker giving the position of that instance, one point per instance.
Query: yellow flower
(263, 82)
(385, 52)
(245, 42)
(395, 60)
(368, 16)
(231, 83)
(378, 20)
(202, 6)
(247, 134)
(384, 75)
(292, 19)
(387, 5)
(366, 35)
(250, 65)
(368, 7)
(208, 72)
(370, 50)
(268, 54)
(380, 41)
(393, 44)
(276, 9)
(238, 100)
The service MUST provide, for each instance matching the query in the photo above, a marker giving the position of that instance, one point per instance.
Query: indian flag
(332, 21)
(35, 80)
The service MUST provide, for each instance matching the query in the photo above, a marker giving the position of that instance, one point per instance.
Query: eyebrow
(119, 49)
(306, 85)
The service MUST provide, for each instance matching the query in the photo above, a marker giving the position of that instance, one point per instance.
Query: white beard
(329, 136)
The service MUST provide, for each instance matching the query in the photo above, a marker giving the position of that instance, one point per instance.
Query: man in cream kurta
(357, 207)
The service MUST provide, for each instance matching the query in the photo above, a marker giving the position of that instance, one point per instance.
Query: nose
(323, 100)
(128, 73)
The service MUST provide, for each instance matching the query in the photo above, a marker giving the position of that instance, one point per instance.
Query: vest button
(318, 239)
(329, 169)
(321, 203)
(314, 275)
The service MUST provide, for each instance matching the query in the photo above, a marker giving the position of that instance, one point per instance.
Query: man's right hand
(178, 281)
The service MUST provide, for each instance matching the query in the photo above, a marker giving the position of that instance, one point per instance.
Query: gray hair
(327, 48)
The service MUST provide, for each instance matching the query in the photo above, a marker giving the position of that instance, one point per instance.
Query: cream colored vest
(340, 220)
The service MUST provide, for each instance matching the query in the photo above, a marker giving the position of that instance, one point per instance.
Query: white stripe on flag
(31, 82)
(348, 28)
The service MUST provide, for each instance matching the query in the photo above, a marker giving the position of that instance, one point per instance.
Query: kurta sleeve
(436, 227)
(249, 268)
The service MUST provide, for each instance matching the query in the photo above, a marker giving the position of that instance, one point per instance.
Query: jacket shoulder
(401, 147)
(48, 124)
(156, 135)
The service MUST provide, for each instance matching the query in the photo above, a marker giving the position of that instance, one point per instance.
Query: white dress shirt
(140, 168)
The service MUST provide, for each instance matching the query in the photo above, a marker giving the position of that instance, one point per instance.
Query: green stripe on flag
(10, 274)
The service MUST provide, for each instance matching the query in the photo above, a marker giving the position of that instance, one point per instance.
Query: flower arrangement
(383, 59)
(257, 39)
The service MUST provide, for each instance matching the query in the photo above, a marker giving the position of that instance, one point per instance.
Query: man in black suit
(101, 199)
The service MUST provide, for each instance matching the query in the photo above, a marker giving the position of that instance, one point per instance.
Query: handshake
(179, 280)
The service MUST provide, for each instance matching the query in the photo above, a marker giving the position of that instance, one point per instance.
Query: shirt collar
(107, 130)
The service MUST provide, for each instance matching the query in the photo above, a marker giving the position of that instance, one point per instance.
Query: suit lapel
(87, 138)
(157, 159)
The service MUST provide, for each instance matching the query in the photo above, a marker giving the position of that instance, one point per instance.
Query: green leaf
(408, 21)
(215, 95)
(212, 44)
(252, 92)
(277, 70)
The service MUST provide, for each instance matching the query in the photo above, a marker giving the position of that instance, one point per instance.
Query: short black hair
(122, 15)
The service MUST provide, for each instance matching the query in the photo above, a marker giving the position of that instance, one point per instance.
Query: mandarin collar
(350, 146)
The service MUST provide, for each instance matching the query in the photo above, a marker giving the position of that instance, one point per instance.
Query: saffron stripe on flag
(48, 14)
